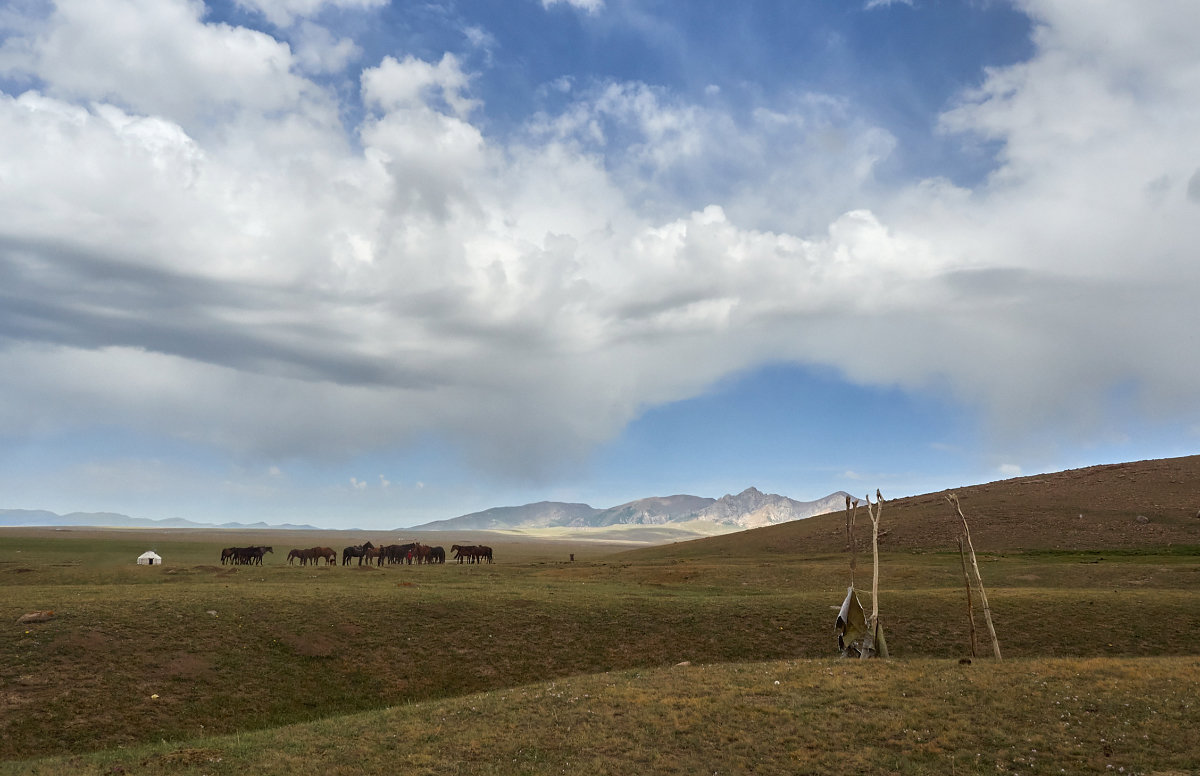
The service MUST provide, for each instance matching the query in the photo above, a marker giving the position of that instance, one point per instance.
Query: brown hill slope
(1126, 505)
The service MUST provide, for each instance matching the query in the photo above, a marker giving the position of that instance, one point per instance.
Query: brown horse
(324, 553)
(420, 552)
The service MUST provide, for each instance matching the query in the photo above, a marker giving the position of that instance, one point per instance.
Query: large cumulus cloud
(197, 243)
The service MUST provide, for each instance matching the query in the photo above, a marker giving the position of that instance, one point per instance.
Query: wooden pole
(987, 610)
(873, 625)
(875, 557)
(962, 556)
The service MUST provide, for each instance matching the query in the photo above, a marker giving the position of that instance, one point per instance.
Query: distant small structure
(149, 558)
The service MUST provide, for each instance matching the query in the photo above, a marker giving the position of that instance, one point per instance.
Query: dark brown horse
(358, 551)
(324, 553)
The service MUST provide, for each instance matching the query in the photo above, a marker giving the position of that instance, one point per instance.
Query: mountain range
(749, 509)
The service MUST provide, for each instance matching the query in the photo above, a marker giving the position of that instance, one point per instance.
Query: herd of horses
(245, 556)
(315, 555)
(413, 552)
(471, 553)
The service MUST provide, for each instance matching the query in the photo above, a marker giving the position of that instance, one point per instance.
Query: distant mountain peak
(749, 509)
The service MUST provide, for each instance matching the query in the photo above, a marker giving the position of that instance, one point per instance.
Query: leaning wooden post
(962, 556)
(873, 644)
(987, 610)
(850, 535)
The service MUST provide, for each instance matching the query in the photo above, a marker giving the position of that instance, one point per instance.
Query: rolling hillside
(1116, 506)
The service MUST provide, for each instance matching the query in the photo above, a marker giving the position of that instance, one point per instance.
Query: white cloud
(792, 167)
(317, 51)
(410, 84)
(591, 6)
(872, 4)
(1193, 187)
(358, 484)
(1069, 284)
(283, 13)
(157, 58)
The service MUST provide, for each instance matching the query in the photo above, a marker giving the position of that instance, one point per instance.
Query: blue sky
(366, 263)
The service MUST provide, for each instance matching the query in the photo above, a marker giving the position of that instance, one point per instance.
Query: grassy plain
(714, 656)
(532, 663)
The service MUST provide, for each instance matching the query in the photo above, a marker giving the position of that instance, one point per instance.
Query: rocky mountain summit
(749, 509)
(753, 509)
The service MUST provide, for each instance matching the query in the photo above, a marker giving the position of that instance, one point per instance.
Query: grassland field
(682, 659)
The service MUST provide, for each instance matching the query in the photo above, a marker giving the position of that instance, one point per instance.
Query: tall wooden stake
(962, 556)
(987, 610)
(869, 647)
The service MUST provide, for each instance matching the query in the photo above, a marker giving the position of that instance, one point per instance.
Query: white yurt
(149, 558)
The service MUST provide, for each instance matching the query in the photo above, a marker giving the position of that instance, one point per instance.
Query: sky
(359, 263)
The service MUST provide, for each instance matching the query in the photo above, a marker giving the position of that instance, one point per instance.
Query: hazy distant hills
(749, 509)
(39, 517)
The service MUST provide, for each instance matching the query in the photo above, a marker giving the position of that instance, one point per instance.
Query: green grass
(254, 652)
(1031, 716)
